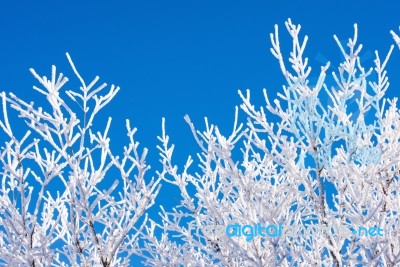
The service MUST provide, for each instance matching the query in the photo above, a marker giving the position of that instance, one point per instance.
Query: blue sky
(176, 57)
(172, 58)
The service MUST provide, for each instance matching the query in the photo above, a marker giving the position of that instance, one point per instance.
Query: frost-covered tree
(66, 199)
(308, 161)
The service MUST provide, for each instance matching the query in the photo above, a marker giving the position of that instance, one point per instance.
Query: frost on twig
(396, 38)
(326, 165)
(66, 198)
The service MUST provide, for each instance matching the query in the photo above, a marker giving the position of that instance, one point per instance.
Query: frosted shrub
(316, 167)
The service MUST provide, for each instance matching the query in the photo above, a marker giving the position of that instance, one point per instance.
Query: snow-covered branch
(66, 198)
(321, 173)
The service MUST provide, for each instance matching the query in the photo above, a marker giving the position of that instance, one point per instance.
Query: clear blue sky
(176, 57)
(172, 58)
